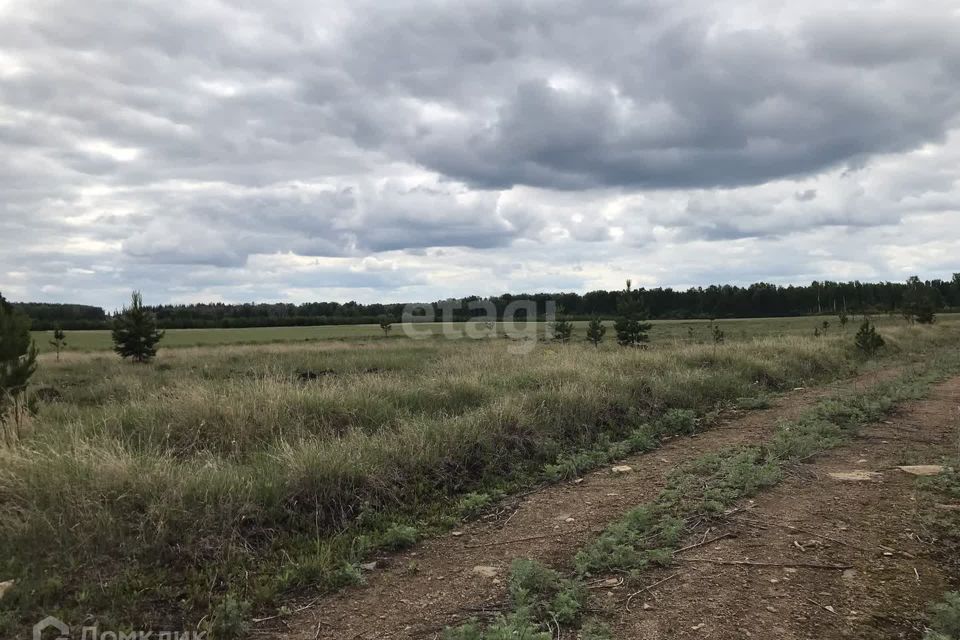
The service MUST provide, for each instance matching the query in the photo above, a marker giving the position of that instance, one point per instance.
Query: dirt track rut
(445, 581)
(873, 526)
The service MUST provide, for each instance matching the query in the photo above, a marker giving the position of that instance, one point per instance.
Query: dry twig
(648, 588)
(805, 565)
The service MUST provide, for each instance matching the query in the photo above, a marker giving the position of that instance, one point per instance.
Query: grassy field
(664, 330)
(217, 481)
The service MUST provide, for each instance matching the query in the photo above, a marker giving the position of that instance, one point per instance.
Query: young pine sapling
(867, 340)
(135, 334)
(59, 341)
(630, 327)
(562, 329)
(595, 331)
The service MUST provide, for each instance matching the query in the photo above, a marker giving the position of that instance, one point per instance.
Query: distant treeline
(725, 301)
(44, 315)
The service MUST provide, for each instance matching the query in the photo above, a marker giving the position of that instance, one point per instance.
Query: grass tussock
(540, 598)
(221, 475)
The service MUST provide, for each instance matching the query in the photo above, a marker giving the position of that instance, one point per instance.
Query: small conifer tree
(18, 361)
(386, 326)
(595, 331)
(630, 327)
(59, 341)
(867, 340)
(924, 313)
(918, 302)
(135, 334)
(718, 335)
(562, 329)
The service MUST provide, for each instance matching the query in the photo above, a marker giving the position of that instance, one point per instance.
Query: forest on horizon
(758, 300)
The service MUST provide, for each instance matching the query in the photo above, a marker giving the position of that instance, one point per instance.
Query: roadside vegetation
(696, 495)
(222, 481)
(941, 522)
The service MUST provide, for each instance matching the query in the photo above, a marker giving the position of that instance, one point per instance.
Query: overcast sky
(384, 150)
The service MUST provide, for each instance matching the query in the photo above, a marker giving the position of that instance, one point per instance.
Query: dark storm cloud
(882, 36)
(562, 96)
(690, 105)
(224, 229)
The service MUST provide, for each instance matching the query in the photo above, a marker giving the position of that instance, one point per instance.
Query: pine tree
(59, 341)
(595, 331)
(562, 329)
(630, 327)
(867, 338)
(718, 335)
(18, 361)
(135, 334)
(924, 313)
(844, 319)
(386, 326)
(918, 302)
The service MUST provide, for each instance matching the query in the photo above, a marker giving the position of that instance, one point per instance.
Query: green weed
(945, 618)
(400, 536)
(230, 619)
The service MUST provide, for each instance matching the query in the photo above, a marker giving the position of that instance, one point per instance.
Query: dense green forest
(718, 301)
(45, 315)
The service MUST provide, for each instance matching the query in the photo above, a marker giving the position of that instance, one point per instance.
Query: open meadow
(222, 481)
(512, 320)
(664, 331)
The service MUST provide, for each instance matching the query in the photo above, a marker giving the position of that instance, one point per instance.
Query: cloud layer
(298, 150)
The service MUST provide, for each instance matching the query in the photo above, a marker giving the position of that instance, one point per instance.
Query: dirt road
(451, 579)
(872, 526)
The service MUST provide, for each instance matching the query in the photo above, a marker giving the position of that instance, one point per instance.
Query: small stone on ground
(922, 469)
(485, 572)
